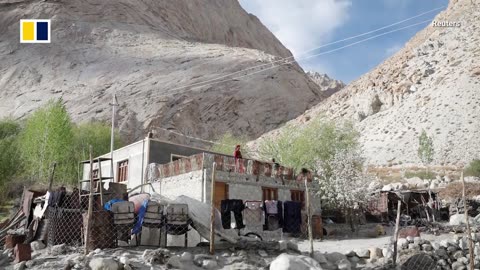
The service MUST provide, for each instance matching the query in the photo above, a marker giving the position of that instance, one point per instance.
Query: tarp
(200, 213)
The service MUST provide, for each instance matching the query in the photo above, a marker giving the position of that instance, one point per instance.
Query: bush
(473, 169)
(422, 175)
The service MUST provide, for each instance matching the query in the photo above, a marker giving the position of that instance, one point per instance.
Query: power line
(307, 57)
(206, 82)
(190, 137)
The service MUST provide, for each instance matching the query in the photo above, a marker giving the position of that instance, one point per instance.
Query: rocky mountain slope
(328, 85)
(432, 84)
(153, 55)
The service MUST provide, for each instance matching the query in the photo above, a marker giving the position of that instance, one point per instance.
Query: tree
(304, 147)
(227, 142)
(96, 134)
(342, 182)
(48, 137)
(425, 149)
(9, 158)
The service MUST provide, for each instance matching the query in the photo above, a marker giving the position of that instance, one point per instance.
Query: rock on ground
(103, 264)
(294, 262)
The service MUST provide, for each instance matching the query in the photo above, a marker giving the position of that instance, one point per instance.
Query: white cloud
(392, 50)
(300, 24)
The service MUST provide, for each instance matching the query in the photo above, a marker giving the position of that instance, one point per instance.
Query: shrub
(421, 174)
(473, 169)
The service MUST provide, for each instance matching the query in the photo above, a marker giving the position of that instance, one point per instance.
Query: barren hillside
(150, 52)
(432, 84)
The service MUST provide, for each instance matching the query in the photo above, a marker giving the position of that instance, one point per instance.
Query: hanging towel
(253, 213)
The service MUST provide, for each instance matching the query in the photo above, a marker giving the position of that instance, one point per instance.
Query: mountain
(431, 84)
(328, 85)
(156, 56)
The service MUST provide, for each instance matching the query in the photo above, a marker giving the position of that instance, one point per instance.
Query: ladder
(99, 180)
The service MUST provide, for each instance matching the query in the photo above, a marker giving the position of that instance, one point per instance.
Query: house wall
(136, 155)
(188, 184)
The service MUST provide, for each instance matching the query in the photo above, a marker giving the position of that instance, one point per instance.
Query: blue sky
(305, 24)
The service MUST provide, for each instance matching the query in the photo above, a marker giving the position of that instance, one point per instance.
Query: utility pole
(112, 134)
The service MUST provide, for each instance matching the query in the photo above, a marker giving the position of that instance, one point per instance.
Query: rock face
(328, 85)
(431, 84)
(156, 56)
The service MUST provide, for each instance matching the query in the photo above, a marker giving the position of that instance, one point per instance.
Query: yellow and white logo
(35, 31)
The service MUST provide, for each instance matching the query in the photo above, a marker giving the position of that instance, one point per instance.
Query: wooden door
(221, 193)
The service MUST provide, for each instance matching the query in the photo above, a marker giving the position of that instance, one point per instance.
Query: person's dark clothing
(292, 216)
(235, 206)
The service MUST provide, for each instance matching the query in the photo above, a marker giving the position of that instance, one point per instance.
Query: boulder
(294, 262)
(363, 253)
(415, 182)
(262, 253)
(209, 264)
(427, 247)
(375, 253)
(387, 253)
(58, 250)
(186, 257)
(103, 264)
(458, 266)
(417, 240)
(414, 246)
(20, 266)
(344, 264)
(335, 257)
(158, 256)
(319, 257)
(175, 262)
(282, 245)
(457, 219)
(457, 254)
(410, 239)
(37, 245)
(402, 242)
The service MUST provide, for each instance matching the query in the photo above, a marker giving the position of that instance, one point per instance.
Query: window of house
(298, 196)
(174, 157)
(269, 194)
(122, 171)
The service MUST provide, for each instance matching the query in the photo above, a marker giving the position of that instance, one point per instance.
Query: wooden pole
(212, 214)
(397, 224)
(52, 173)
(88, 226)
(309, 216)
(469, 232)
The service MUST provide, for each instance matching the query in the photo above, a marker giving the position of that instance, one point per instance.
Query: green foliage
(473, 169)
(96, 134)
(9, 154)
(424, 175)
(47, 138)
(305, 147)
(425, 148)
(226, 145)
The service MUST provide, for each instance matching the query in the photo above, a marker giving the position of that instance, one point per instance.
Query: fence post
(309, 216)
(88, 226)
(397, 223)
(212, 214)
(469, 232)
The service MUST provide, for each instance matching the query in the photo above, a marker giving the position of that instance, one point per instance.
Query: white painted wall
(188, 184)
(134, 153)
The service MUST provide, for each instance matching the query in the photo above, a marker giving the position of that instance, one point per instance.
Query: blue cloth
(108, 205)
(141, 214)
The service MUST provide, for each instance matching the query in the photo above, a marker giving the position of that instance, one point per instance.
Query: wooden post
(309, 216)
(469, 232)
(52, 173)
(88, 226)
(397, 223)
(212, 214)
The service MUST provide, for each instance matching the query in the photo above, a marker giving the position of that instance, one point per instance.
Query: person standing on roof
(237, 154)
